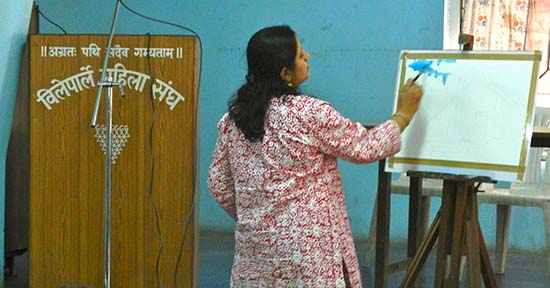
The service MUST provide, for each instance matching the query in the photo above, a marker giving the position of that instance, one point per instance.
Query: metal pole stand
(108, 175)
(107, 82)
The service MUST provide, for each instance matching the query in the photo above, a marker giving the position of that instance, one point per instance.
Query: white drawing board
(476, 114)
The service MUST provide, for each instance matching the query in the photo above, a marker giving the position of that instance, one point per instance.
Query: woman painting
(274, 170)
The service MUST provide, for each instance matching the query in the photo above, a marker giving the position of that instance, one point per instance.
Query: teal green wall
(354, 47)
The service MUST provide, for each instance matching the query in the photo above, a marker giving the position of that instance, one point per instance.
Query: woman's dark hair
(268, 52)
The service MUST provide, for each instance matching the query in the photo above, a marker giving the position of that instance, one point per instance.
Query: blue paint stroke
(426, 66)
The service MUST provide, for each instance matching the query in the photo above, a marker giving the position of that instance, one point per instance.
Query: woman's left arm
(220, 180)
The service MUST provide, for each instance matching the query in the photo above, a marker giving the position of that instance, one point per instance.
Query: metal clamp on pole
(466, 41)
(104, 66)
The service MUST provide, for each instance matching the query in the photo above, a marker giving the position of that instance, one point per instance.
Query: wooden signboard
(154, 161)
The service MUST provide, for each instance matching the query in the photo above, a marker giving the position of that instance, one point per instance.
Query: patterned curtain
(512, 25)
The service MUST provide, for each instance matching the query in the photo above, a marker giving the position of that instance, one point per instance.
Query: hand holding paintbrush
(407, 102)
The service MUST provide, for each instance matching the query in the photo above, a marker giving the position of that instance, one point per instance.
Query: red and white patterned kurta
(285, 192)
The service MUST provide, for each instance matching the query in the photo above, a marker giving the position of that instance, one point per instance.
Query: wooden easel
(456, 224)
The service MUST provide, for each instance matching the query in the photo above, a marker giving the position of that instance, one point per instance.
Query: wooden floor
(216, 255)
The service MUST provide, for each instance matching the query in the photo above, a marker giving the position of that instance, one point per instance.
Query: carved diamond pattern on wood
(119, 137)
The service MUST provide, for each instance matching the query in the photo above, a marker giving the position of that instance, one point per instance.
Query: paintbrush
(419, 73)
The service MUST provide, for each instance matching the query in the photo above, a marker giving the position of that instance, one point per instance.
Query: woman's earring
(289, 84)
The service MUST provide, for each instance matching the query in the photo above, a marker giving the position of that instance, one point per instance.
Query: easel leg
(447, 213)
(371, 240)
(472, 244)
(457, 227)
(381, 265)
(486, 269)
(416, 229)
(422, 253)
(458, 235)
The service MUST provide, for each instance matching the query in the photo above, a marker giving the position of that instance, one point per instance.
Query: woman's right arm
(343, 138)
